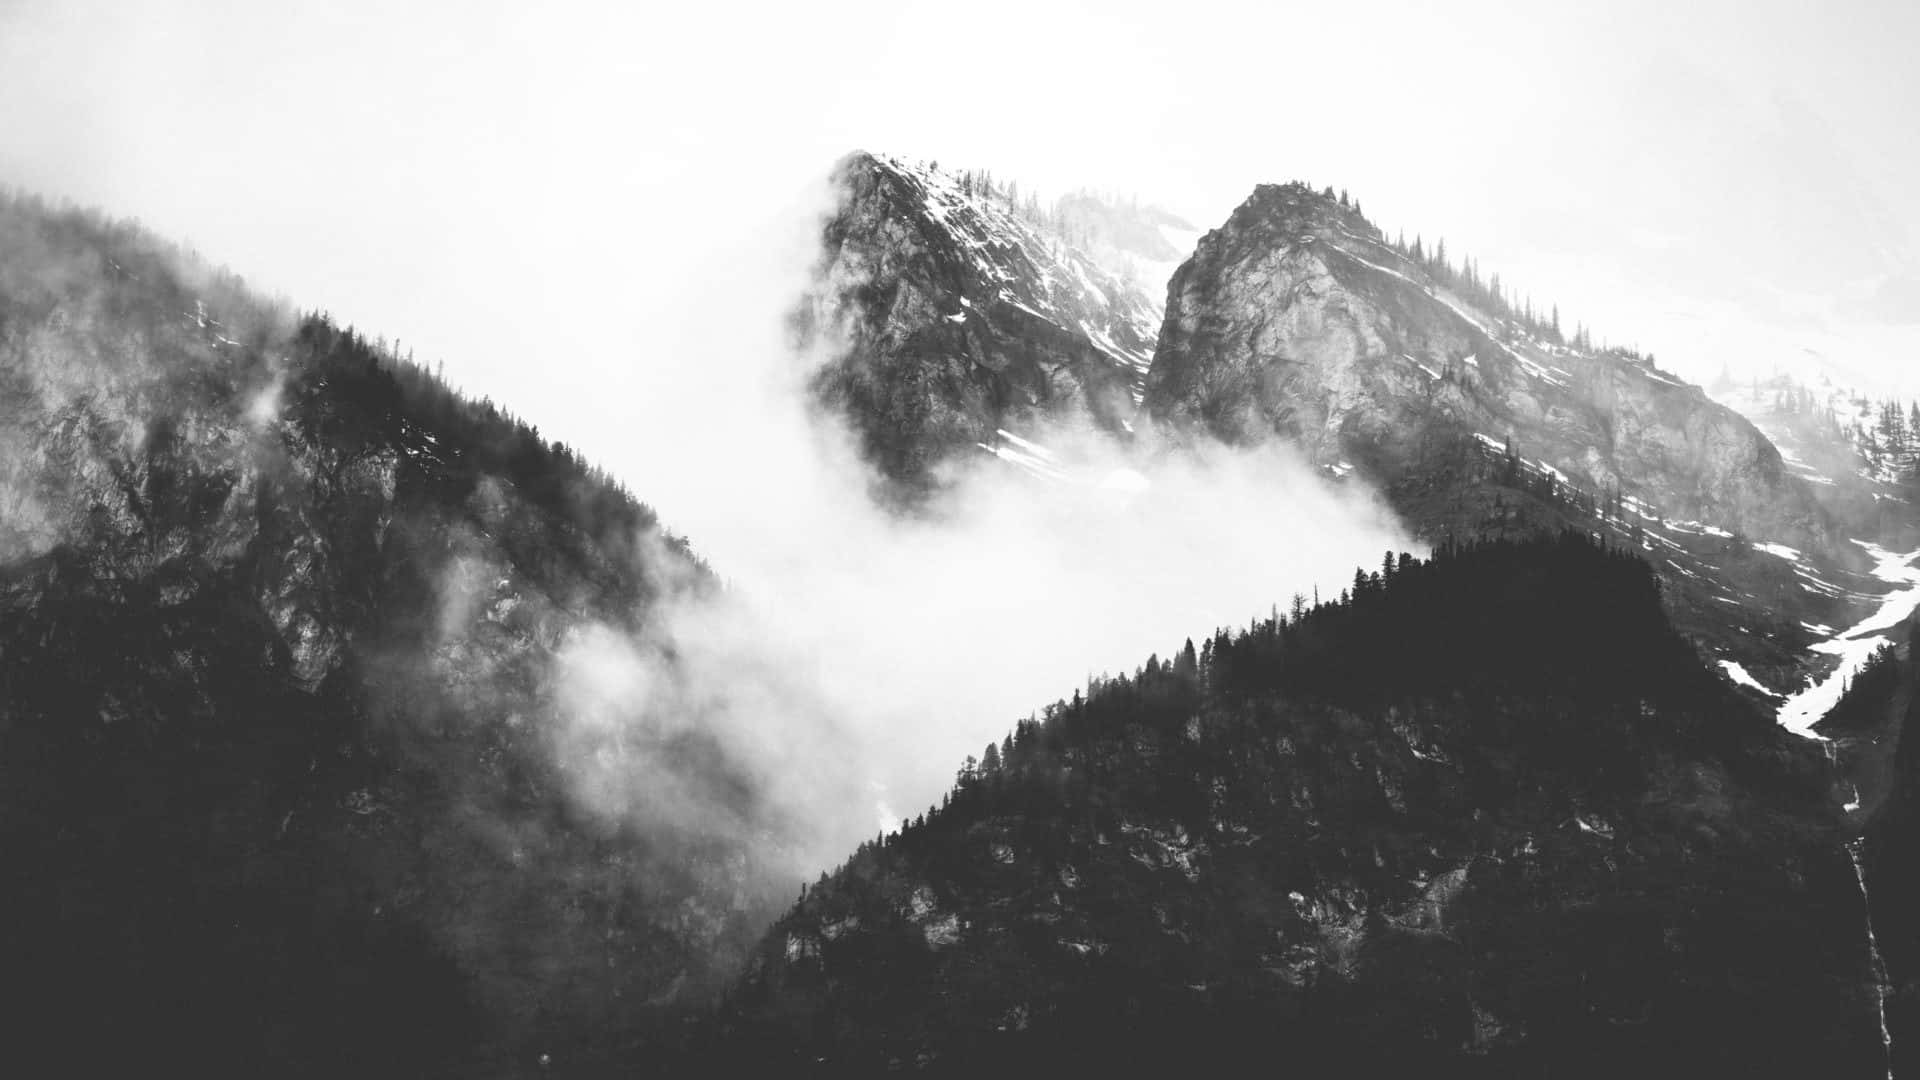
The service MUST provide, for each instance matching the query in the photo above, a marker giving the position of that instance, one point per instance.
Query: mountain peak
(961, 306)
(1298, 204)
(1298, 318)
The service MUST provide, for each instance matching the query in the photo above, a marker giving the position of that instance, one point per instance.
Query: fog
(860, 654)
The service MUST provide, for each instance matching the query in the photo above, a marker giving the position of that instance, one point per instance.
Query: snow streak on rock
(1038, 270)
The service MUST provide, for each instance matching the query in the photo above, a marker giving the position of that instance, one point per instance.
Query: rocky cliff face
(290, 780)
(1297, 319)
(948, 312)
(1401, 833)
(1297, 316)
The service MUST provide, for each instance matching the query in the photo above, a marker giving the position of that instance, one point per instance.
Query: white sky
(596, 214)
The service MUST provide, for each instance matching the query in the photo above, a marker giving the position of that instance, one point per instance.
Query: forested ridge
(218, 341)
(1484, 809)
(278, 617)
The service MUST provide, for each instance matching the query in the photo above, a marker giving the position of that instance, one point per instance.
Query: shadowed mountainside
(1411, 829)
(293, 776)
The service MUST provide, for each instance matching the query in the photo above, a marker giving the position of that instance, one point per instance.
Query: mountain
(1298, 319)
(1403, 831)
(295, 778)
(949, 310)
(344, 727)
(1297, 315)
(1108, 862)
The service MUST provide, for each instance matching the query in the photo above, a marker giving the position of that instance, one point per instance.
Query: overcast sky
(597, 215)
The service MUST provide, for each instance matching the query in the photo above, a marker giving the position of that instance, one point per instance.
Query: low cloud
(859, 655)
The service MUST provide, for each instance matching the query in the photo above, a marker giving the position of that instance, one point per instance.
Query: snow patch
(1741, 677)
(1855, 646)
(1696, 527)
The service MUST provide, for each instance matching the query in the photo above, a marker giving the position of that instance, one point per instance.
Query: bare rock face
(1298, 317)
(945, 312)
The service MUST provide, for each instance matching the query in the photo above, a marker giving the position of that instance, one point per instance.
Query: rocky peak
(949, 310)
(1298, 318)
(1295, 209)
(1002, 251)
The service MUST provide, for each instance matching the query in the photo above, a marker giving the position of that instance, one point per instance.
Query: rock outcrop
(947, 312)
(1297, 316)
(1298, 319)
